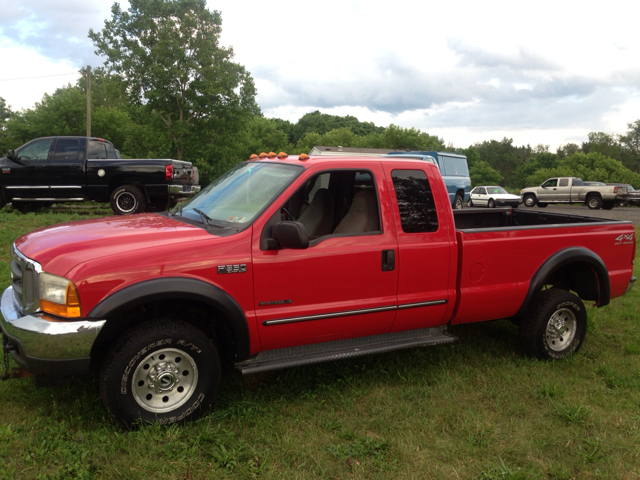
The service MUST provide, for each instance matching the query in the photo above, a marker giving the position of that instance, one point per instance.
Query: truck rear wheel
(557, 326)
(167, 371)
(529, 201)
(594, 202)
(127, 199)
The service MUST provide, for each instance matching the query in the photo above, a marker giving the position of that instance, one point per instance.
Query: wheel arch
(149, 299)
(575, 268)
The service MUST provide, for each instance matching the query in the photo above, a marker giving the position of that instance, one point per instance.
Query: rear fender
(586, 261)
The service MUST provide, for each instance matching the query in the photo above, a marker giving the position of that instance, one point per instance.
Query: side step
(340, 349)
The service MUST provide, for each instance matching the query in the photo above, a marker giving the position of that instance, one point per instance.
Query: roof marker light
(263, 155)
(303, 157)
(272, 155)
(253, 156)
(282, 155)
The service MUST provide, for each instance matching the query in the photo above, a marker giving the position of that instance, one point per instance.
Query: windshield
(496, 190)
(241, 193)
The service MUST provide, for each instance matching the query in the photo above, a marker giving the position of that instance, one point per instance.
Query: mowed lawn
(475, 409)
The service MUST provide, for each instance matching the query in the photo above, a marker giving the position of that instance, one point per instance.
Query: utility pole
(88, 100)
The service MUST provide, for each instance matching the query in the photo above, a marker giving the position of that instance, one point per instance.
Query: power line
(43, 76)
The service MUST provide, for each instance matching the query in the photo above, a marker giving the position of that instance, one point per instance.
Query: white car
(493, 197)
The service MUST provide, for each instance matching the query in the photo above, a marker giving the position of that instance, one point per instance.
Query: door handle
(388, 260)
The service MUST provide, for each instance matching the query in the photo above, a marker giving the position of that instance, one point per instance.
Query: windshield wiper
(206, 219)
(173, 210)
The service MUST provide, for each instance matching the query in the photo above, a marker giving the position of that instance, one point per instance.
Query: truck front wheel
(166, 372)
(127, 199)
(529, 201)
(557, 326)
(457, 202)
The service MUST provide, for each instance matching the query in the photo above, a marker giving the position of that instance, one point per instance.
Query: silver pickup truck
(574, 190)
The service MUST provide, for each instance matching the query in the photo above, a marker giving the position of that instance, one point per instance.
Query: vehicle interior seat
(317, 218)
(362, 215)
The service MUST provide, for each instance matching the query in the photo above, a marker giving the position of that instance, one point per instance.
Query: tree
(502, 156)
(168, 52)
(631, 141)
(481, 173)
(5, 114)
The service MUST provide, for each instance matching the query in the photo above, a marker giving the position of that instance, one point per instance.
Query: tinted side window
(564, 182)
(67, 149)
(97, 149)
(415, 201)
(551, 183)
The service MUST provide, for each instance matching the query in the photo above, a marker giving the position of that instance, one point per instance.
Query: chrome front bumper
(46, 347)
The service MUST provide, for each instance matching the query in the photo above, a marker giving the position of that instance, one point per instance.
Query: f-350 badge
(238, 268)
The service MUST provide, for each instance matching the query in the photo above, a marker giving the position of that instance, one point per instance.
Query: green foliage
(481, 173)
(591, 166)
(5, 114)
(168, 53)
(502, 156)
(321, 123)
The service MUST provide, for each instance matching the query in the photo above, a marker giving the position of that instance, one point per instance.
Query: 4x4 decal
(624, 239)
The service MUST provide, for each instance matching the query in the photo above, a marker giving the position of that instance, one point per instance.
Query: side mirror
(11, 155)
(291, 235)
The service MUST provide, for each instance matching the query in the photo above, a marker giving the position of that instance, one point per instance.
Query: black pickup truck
(75, 169)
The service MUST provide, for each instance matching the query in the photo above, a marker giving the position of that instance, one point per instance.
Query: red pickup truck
(293, 260)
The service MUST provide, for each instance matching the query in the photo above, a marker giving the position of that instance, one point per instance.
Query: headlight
(59, 296)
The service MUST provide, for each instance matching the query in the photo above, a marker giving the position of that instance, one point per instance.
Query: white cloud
(544, 72)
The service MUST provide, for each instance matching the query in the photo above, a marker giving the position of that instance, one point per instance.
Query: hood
(61, 247)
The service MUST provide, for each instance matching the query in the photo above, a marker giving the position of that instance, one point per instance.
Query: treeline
(138, 134)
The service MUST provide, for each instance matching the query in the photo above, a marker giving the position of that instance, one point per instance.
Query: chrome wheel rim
(561, 329)
(529, 202)
(126, 202)
(164, 380)
(593, 203)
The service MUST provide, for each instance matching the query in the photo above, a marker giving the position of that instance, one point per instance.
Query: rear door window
(415, 201)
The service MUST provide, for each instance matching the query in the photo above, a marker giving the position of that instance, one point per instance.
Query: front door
(27, 178)
(344, 285)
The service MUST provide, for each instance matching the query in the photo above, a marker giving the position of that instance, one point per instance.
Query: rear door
(66, 168)
(563, 190)
(426, 262)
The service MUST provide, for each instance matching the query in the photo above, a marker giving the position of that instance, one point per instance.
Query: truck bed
(507, 218)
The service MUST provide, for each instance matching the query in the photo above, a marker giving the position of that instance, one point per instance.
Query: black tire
(158, 205)
(557, 326)
(457, 202)
(469, 203)
(491, 203)
(594, 202)
(608, 205)
(542, 205)
(127, 199)
(141, 377)
(529, 200)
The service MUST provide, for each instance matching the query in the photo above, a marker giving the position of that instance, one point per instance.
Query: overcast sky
(545, 72)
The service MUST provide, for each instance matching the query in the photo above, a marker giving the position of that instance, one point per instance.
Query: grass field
(476, 409)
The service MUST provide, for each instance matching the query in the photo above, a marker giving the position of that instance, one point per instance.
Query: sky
(545, 72)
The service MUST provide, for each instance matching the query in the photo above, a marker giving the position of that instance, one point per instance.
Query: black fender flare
(561, 259)
(169, 288)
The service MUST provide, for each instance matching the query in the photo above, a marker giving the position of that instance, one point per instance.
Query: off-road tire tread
(133, 339)
(533, 326)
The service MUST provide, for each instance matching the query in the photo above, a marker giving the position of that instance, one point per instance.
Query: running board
(341, 349)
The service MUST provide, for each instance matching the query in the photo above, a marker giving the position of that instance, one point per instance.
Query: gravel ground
(618, 213)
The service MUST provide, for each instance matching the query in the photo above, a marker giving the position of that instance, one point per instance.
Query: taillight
(615, 189)
(168, 172)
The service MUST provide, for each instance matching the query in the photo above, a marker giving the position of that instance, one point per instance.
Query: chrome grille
(24, 280)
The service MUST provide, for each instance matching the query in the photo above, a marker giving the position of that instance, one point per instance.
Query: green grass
(477, 409)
